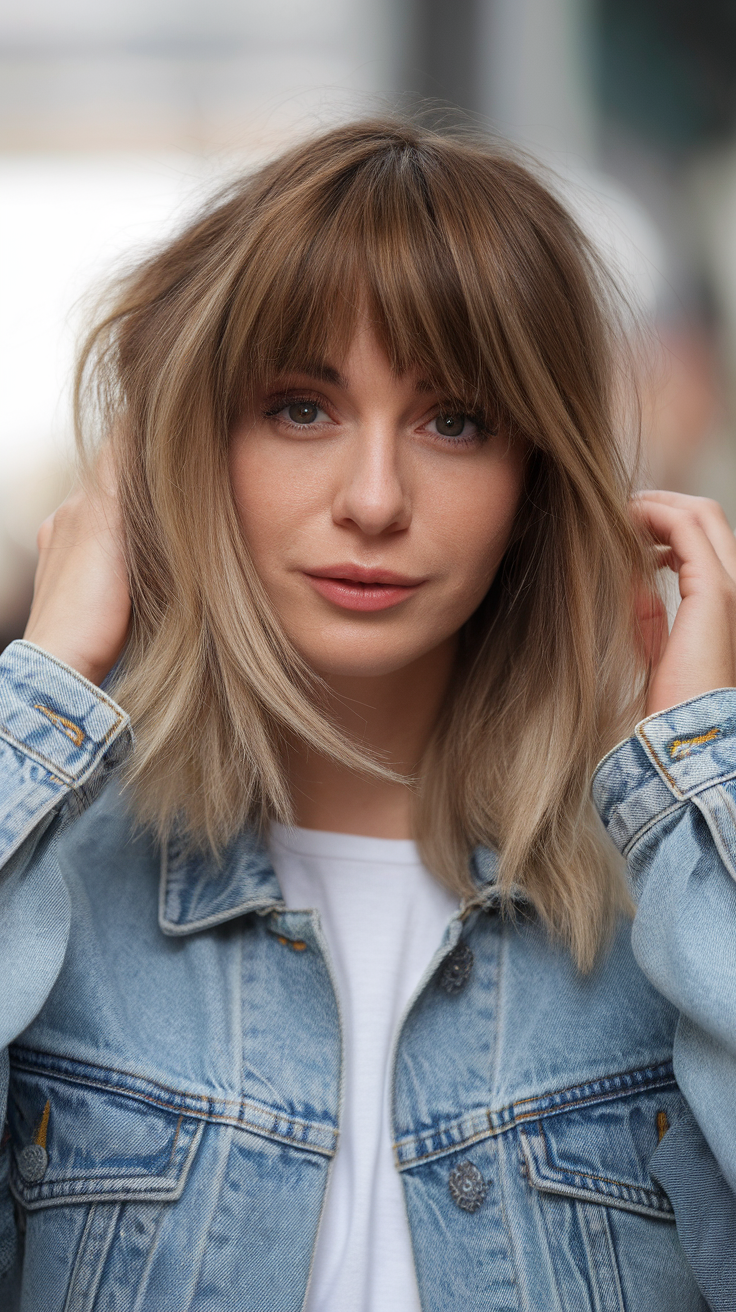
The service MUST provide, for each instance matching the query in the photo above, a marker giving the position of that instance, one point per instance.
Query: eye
(296, 411)
(454, 424)
(303, 412)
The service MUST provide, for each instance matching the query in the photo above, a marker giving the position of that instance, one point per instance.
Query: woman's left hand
(700, 652)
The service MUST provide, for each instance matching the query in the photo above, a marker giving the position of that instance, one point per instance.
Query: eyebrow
(320, 372)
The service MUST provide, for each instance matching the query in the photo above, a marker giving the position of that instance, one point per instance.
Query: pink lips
(354, 587)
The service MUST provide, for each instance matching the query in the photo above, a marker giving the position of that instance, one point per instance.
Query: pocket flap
(601, 1153)
(76, 1142)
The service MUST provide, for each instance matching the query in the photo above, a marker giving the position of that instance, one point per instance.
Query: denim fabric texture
(172, 1052)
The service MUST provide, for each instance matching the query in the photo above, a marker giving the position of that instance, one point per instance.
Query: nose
(373, 494)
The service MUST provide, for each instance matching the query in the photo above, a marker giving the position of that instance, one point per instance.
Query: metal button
(32, 1163)
(457, 968)
(467, 1187)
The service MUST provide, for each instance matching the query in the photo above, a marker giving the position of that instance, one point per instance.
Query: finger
(707, 513)
(680, 531)
(665, 558)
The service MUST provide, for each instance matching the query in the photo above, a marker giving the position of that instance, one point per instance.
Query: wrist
(94, 671)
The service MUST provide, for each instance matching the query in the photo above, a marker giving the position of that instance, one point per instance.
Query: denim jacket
(173, 1060)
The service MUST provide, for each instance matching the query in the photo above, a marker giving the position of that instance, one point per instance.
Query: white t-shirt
(383, 916)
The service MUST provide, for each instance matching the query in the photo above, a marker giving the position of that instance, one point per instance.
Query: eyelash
(297, 398)
(483, 429)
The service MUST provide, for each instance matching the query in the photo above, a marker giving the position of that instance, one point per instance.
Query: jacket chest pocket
(606, 1224)
(86, 1164)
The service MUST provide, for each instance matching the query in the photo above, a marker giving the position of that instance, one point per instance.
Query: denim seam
(34, 821)
(608, 1096)
(654, 757)
(609, 1296)
(638, 731)
(179, 928)
(33, 1197)
(495, 1129)
(590, 1175)
(679, 793)
(92, 688)
(71, 780)
(592, 1195)
(679, 803)
(176, 929)
(462, 1144)
(82, 1291)
(637, 1073)
(165, 1179)
(643, 829)
(204, 1114)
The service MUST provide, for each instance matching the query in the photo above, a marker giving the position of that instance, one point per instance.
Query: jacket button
(32, 1163)
(457, 968)
(467, 1187)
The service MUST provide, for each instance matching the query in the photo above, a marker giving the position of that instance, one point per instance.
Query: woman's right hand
(81, 602)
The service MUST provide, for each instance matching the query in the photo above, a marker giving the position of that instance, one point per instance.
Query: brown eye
(450, 425)
(302, 412)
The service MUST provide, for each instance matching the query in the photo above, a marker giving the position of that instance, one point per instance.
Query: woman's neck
(391, 715)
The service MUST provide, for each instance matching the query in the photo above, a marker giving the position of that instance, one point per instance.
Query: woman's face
(376, 518)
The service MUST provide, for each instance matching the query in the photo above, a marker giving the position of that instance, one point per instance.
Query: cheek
(267, 498)
(473, 521)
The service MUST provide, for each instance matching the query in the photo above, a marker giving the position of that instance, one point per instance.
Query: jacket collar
(198, 890)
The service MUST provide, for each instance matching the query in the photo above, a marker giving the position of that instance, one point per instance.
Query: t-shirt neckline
(345, 847)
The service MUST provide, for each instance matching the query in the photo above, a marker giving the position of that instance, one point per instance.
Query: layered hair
(471, 271)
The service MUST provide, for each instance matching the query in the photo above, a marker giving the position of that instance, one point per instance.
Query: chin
(359, 664)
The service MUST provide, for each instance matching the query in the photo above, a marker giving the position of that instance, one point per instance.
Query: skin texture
(81, 604)
(373, 482)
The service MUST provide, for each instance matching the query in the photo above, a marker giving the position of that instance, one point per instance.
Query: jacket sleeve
(667, 797)
(60, 736)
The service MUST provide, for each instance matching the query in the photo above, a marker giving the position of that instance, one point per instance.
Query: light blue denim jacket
(565, 1142)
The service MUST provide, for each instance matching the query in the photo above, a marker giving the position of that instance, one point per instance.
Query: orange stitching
(663, 1126)
(683, 746)
(176, 1139)
(34, 754)
(522, 1118)
(40, 1136)
(666, 774)
(589, 1175)
(617, 1075)
(297, 944)
(205, 1114)
(67, 727)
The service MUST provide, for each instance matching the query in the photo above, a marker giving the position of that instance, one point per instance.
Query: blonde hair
(472, 271)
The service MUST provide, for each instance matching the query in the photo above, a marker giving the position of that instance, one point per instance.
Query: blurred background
(117, 118)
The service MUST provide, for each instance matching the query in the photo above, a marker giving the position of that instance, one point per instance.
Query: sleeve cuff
(57, 717)
(672, 756)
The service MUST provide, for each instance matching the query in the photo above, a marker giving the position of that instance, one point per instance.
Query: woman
(360, 556)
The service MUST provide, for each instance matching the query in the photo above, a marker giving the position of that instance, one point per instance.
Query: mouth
(354, 587)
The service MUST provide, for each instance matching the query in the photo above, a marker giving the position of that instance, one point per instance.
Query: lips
(358, 588)
(364, 574)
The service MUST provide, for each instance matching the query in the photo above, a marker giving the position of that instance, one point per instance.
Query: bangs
(379, 243)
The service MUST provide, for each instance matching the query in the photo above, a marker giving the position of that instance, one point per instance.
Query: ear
(651, 626)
